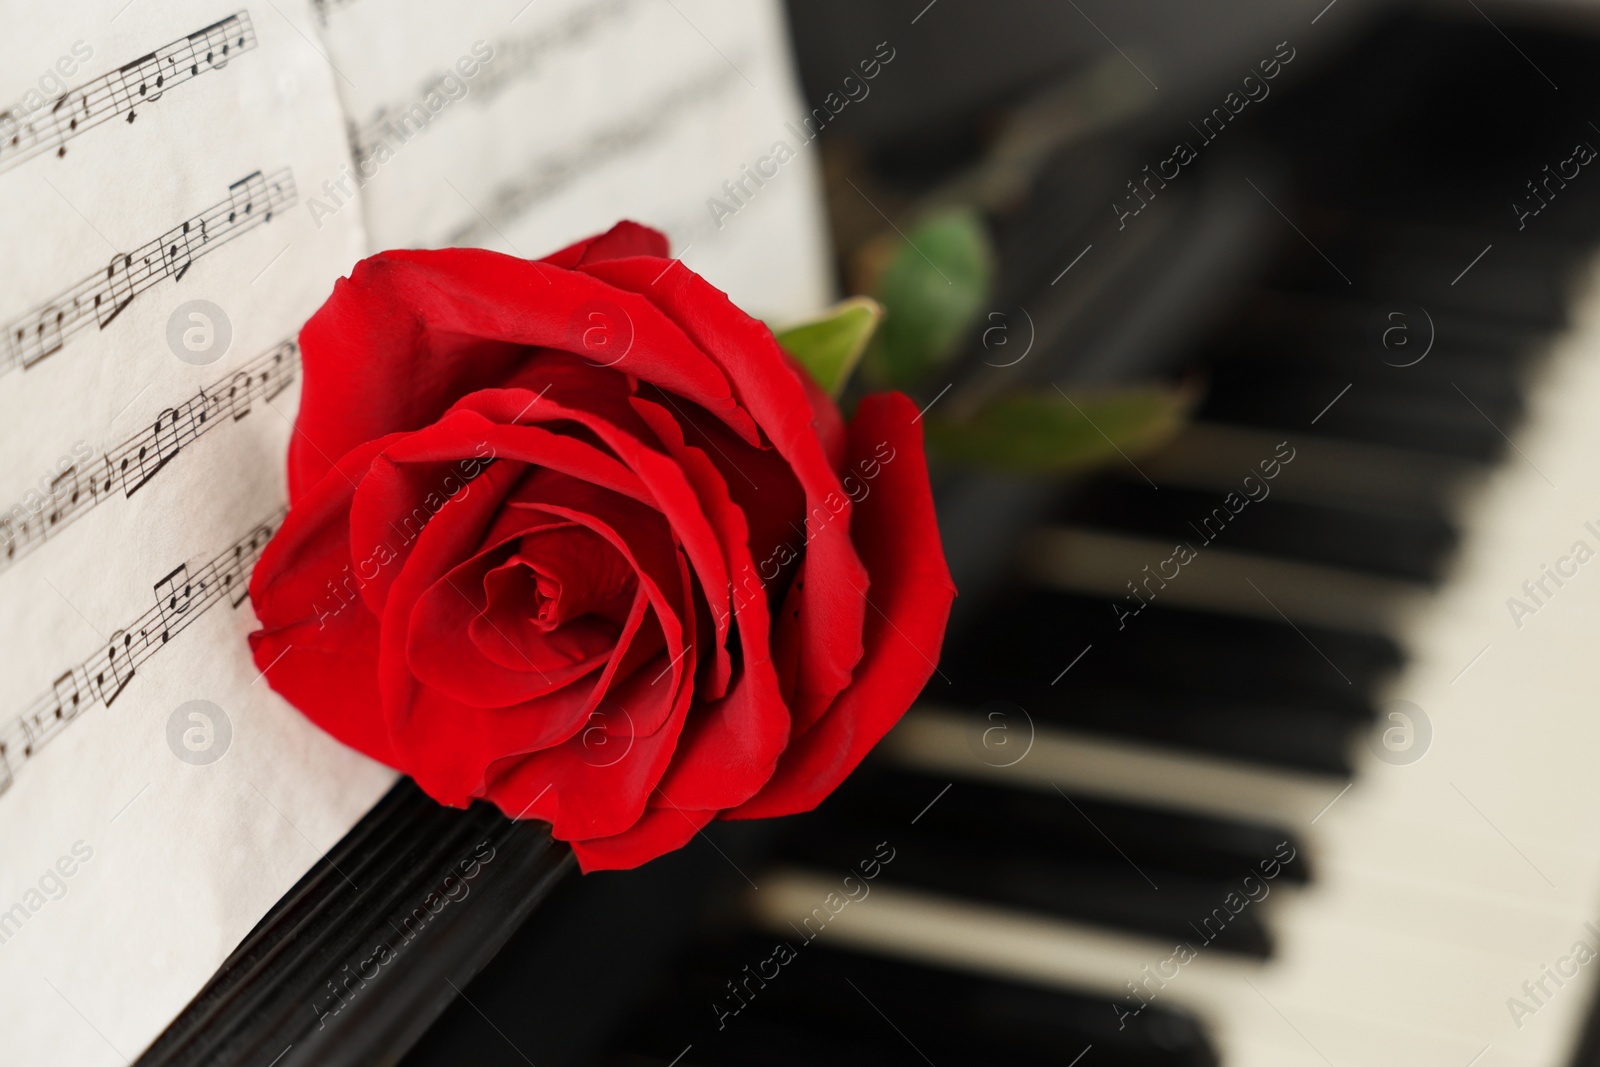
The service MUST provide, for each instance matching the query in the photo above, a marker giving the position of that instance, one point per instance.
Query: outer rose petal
(659, 831)
(411, 332)
(772, 389)
(730, 746)
(898, 537)
(317, 650)
(624, 239)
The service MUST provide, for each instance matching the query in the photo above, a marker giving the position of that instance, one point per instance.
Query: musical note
(182, 244)
(181, 597)
(161, 448)
(118, 290)
(119, 665)
(174, 595)
(131, 465)
(68, 695)
(64, 494)
(123, 92)
(101, 297)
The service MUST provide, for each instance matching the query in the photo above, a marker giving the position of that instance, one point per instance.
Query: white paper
(144, 834)
(584, 112)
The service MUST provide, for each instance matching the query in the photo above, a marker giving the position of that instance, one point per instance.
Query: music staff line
(180, 598)
(545, 177)
(103, 295)
(122, 92)
(129, 466)
(506, 60)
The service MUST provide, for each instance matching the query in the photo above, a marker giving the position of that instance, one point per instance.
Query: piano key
(1225, 580)
(1215, 456)
(1396, 352)
(1442, 422)
(827, 1004)
(941, 740)
(1140, 869)
(1030, 634)
(1437, 987)
(1404, 547)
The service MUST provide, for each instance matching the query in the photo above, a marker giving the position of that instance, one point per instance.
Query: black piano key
(1440, 421)
(1294, 327)
(1246, 689)
(1521, 287)
(1029, 635)
(1283, 735)
(1400, 546)
(1399, 349)
(1142, 870)
(826, 1005)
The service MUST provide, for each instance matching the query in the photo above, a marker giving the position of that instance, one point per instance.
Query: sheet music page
(177, 196)
(525, 126)
(158, 797)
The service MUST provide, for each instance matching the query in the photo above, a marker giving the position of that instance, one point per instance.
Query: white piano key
(942, 739)
(1255, 585)
(1215, 456)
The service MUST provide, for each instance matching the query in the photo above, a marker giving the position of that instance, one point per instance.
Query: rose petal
(768, 385)
(658, 831)
(668, 486)
(898, 535)
(418, 473)
(441, 650)
(584, 789)
(624, 239)
(730, 746)
(441, 324)
(317, 645)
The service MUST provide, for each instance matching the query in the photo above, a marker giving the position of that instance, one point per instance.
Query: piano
(1271, 748)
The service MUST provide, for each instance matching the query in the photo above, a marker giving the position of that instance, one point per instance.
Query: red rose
(578, 537)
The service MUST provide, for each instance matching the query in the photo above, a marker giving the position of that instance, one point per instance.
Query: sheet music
(26, 132)
(177, 196)
(522, 127)
(102, 296)
(157, 269)
(126, 467)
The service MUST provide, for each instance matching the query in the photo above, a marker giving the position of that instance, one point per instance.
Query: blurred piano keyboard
(1076, 798)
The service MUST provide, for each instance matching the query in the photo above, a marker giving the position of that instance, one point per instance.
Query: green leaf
(1047, 431)
(829, 347)
(932, 291)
